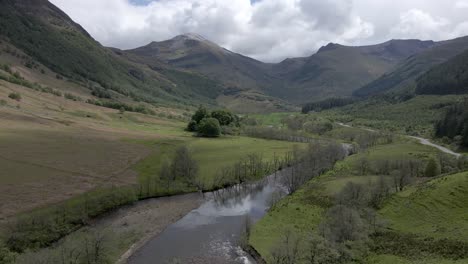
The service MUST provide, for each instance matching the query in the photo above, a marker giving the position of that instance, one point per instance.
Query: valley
(182, 151)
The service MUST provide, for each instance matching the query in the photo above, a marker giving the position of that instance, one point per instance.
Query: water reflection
(213, 230)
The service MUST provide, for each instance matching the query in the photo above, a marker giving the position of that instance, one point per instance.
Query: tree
(165, 173)
(224, 117)
(432, 168)
(209, 127)
(200, 114)
(184, 167)
(192, 126)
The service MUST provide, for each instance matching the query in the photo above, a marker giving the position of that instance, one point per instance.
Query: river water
(211, 233)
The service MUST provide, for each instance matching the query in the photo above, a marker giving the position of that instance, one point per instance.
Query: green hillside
(337, 70)
(438, 208)
(49, 36)
(403, 77)
(450, 77)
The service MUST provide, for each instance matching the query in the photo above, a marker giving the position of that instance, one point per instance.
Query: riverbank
(152, 216)
(122, 231)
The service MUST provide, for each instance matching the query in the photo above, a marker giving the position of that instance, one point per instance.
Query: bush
(200, 114)
(6, 256)
(101, 93)
(432, 168)
(224, 117)
(192, 126)
(209, 127)
(70, 96)
(15, 96)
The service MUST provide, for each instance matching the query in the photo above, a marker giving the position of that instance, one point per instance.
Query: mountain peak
(329, 46)
(190, 36)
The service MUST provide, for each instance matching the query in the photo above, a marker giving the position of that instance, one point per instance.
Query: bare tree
(184, 166)
(287, 251)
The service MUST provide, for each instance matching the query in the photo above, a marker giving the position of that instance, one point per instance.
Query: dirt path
(421, 140)
(441, 148)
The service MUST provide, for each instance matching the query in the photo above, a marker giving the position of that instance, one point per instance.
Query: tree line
(454, 124)
(327, 104)
(450, 77)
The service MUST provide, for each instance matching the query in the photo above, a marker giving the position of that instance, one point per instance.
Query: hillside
(337, 70)
(48, 36)
(243, 78)
(404, 76)
(191, 51)
(450, 77)
(327, 73)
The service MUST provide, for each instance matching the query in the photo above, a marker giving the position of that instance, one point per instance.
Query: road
(421, 140)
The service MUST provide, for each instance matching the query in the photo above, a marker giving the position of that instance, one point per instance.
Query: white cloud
(418, 24)
(269, 30)
(461, 4)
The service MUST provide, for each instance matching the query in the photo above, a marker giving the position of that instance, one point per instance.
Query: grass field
(438, 208)
(212, 155)
(54, 148)
(411, 209)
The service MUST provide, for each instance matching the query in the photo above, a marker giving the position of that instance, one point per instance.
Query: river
(211, 233)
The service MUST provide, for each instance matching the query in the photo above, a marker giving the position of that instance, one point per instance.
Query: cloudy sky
(269, 30)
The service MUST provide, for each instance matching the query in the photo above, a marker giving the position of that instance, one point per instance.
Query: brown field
(52, 148)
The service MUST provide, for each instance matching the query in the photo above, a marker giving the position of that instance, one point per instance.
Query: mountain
(337, 70)
(50, 37)
(189, 69)
(450, 77)
(327, 73)
(245, 80)
(405, 74)
(193, 52)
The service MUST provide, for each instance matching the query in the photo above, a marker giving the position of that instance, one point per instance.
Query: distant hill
(189, 69)
(450, 77)
(48, 35)
(404, 76)
(193, 52)
(337, 70)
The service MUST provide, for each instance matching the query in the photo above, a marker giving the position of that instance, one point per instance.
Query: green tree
(224, 117)
(192, 126)
(209, 127)
(200, 114)
(432, 168)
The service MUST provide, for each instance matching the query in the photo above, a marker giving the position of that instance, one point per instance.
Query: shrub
(209, 127)
(224, 117)
(200, 114)
(15, 96)
(70, 96)
(101, 93)
(3, 102)
(192, 126)
(432, 168)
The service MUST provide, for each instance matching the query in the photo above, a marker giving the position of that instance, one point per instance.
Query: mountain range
(189, 69)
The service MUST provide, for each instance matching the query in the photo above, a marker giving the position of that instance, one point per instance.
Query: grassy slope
(50, 37)
(415, 116)
(403, 76)
(438, 208)
(303, 210)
